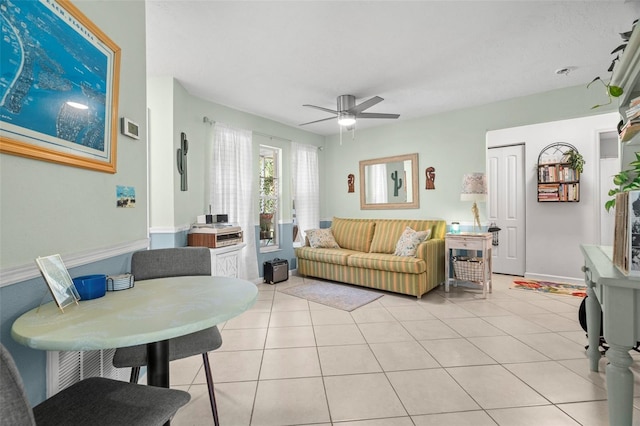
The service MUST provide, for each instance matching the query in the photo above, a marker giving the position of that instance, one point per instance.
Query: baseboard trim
(554, 278)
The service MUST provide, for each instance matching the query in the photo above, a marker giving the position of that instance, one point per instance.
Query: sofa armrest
(432, 252)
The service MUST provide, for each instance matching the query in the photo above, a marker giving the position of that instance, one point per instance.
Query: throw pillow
(321, 238)
(408, 243)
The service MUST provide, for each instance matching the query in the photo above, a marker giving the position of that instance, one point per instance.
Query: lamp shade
(474, 187)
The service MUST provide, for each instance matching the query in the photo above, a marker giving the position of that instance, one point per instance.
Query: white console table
(617, 297)
(225, 260)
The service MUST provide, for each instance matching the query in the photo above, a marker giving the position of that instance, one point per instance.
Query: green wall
(452, 142)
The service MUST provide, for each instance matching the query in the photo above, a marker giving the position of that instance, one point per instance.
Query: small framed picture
(58, 280)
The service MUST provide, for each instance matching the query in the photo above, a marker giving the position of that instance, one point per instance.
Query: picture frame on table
(59, 97)
(58, 280)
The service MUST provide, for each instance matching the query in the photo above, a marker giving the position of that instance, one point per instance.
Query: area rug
(340, 296)
(550, 287)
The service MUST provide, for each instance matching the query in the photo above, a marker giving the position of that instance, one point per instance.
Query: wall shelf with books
(558, 179)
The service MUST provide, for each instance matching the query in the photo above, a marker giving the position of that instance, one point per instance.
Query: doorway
(506, 207)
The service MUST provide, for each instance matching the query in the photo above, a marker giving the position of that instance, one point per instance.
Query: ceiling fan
(347, 111)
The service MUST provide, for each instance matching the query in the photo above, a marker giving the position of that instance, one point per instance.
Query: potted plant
(614, 91)
(626, 180)
(575, 160)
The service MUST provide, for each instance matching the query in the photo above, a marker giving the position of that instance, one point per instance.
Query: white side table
(480, 242)
(225, 260)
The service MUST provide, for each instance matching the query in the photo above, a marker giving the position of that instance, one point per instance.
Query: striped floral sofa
(366, 258)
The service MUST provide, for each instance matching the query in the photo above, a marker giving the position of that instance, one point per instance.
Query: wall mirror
(389, 183)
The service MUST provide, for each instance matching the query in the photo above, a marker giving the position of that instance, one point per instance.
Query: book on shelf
(629, 130)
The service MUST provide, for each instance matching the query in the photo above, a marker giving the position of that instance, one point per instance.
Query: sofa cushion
(407, 245)
(353, 234)
(388, 232)
(387, 262)
(321, 238)
(326, 255)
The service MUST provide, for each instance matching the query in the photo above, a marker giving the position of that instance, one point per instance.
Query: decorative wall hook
(182, 161)
(350, 181)
(430, 173)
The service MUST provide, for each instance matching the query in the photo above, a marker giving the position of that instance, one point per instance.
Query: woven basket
(468, 269)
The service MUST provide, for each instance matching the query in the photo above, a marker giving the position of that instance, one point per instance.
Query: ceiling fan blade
(376, 115)
(366, 105)
(322, 109)
(317, 121)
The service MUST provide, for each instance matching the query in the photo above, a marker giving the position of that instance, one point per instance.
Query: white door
(506, 207)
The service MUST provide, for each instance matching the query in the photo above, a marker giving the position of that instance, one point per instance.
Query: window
(269, 195)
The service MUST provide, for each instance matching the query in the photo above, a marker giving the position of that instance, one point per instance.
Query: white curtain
(232, 190)
(306, 186)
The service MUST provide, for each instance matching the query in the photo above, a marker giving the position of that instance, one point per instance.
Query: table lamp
(474, 188)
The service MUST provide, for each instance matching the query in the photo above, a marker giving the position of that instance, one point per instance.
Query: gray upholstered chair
(93, 401)
(173, 262)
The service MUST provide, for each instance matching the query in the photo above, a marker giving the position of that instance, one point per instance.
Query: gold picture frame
(61, 103)
(389, 183)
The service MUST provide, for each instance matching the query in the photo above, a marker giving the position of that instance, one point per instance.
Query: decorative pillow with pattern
(321, 238)
(408, 243)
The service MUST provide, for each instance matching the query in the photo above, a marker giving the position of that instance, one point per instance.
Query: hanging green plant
(575, 160)
(614, 91)
(626, 180)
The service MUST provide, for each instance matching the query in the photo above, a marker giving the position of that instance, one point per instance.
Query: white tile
(430, 329)
(557, 383)
(290, 337)
(330, 317)
(397, 356)
(430, 391)
(248, 319)
(447, 310)
(593, 413)
(462, 418)
(513, 324)
(372, 315)
(243, 339)
(340, 334)
(290, 402)
(492, 386)
(532, 416)
(294, 304)
(184, 371)
(389, 421)
(555, 322)
(507, 349)
(409, 313)
(380, 332)
(553, 345)
(350, 359)
(468, 327)
(362, 396)
(483, 308)
(233, 400)
(290, 363)
(456, 352)
(520, 307)
(234, 366)
(289, 318)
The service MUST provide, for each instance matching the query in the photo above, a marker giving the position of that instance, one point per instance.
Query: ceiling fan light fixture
(346, 119)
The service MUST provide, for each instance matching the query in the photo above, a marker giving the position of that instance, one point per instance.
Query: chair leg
(212, 397)
(135, 375)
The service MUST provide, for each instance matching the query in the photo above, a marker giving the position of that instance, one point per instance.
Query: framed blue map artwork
(59, 78)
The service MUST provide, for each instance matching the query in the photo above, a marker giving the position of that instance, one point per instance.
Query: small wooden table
(478, 242)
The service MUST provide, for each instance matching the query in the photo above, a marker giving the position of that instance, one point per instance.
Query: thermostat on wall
(129, 128)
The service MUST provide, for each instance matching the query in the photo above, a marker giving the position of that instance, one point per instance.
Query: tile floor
(516, 358)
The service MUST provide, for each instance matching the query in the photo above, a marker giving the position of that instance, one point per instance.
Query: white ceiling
(423, 57)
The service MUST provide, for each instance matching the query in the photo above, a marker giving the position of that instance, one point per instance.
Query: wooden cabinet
(557, 180)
